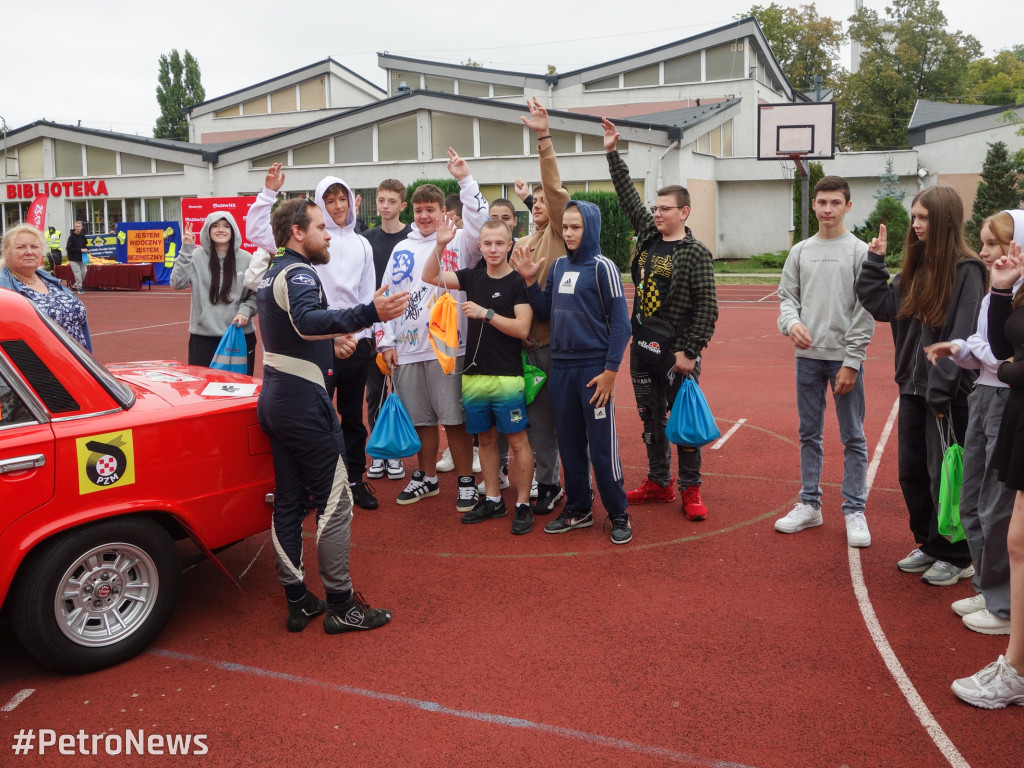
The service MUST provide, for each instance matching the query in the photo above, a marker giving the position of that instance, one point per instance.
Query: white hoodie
(348, 278)
(409, 334)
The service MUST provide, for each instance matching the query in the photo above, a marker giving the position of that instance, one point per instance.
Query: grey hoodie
(192, 268)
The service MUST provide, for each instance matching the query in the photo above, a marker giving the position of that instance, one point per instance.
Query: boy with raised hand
(544, 245)
(584, 301)
(492, 381)
(390, 202)
(675, 284)
(348, 281)
(430, 397)
(830, 329)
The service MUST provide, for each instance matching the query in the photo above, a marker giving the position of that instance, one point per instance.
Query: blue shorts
(494, 401)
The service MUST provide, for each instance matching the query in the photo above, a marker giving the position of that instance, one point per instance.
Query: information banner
(102, 245)
(152, 242)
(194, 211)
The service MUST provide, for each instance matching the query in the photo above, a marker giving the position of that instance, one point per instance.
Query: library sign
(82, 188)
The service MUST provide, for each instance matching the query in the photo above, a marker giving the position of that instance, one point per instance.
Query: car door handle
(21, 463)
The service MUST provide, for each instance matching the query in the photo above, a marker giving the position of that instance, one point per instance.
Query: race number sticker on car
(105, 461)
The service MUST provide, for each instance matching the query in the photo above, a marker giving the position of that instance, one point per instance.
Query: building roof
(207, 151)
(928, 114)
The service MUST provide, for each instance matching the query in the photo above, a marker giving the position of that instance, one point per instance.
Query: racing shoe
(693, 507)
(302, 610)
(418, 488)
(650, 492)
(570, 519)
(547, 497)
(376, 469)
(353, 615)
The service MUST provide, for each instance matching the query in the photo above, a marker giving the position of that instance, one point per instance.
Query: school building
(687, 112)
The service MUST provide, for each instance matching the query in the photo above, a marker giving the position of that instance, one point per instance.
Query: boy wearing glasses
(675, 287)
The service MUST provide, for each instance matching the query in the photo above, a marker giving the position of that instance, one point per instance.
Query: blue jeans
(814, 380)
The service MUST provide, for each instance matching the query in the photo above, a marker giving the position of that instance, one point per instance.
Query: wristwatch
(489, 315)
(689, 353)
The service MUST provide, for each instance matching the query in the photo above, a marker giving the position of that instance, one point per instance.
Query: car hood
(176, 384)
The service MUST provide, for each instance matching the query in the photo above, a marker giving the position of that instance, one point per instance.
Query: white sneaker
(502, 481)
(534, 490)
(446, 463)
(376, 470)
(798, 518)
(476, 461)
(969, 605)
(994, 687)
(987, 623)
(943, 574)
(857, 533)
(396, 469)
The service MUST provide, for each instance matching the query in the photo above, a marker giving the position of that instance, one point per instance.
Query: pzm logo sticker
(650, 346)
(105, 461)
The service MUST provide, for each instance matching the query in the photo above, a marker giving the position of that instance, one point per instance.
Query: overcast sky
(97, 62)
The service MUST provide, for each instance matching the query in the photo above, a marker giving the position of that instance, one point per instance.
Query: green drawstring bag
(533, 379)
(949, 486)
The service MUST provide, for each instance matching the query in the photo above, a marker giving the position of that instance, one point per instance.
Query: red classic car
(102, 470)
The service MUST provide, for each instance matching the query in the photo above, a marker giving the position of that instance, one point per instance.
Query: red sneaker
(693, 507)
(650, 492)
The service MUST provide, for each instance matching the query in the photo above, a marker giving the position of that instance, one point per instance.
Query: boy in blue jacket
(590, 329)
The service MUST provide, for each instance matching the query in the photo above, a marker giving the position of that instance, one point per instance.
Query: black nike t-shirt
(489, 352)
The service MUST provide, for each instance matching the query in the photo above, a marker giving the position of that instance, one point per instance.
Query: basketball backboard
(805, 130)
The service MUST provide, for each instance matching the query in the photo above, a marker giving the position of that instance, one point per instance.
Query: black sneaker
(485, 509)
(302, 610)
(354, 615)
(547, 497)
(622, 529)
(362, 495)
(468, 496)
(522, 523)
(569, 519)
(418, 488)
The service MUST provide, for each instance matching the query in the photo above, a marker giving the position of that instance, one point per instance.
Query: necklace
(30, 282)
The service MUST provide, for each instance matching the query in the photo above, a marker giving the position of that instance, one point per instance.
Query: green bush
(448, 186)
(616, 232)
(816, 174)
(888, 211)
(775, 260)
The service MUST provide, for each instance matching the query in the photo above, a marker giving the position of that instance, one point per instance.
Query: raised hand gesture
(611, 134)
(188, 237)
(538, 119)
(275, 177)
(524, 264)
(877, 244)
(445, 232)
(457, 167)
(522, 189)
(1008, 267)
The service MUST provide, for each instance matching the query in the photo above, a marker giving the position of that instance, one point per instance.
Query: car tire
(96, 596)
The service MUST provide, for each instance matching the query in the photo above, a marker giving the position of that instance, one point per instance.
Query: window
(644, 76)
(704, 144)
(563, 141)
(152, 209)
(447, 130)
(30, 161)
(163, 166)
(500, 139)
(256, 106)
(685, 69)
(603, 83)
(67, 159)
(100, 162)
(507, 90)
(268, 160)
(596, 144)
(435, 83)
(171, 208)
(601, 186)
(234, 111)
(283, 100)
(396, 139)
(12, 409)
(715, 139)
(473, 88)
(724, 62)
(727, 139)
(312, 154)
(313, 94)
(134, 164)
(354, 147)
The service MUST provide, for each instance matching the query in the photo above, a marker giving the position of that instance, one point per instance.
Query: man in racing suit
(295, 411)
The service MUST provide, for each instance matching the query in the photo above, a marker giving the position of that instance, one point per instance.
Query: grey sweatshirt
(818, 289)
(192, 268)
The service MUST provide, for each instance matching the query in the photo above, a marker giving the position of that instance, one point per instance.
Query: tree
(179, 87)
(804, 43)
(890, 183)
(888, 211)
(907, 57)
(472, 63)
(1001, 188)
(998, 81)
(552, 70)
(816, 174)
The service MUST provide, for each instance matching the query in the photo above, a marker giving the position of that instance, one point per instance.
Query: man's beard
(319, 258)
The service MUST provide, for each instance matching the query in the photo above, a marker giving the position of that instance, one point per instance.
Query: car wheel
(96, 596)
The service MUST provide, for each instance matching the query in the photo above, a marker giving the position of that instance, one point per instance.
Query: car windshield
(116, 389)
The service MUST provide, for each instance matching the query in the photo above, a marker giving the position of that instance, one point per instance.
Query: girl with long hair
(215, 271)
(935, 298)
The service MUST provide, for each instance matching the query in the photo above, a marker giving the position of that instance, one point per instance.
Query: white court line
(16, 699)
(727, 435)
(140, 328)
(920, 709)
(774, 296)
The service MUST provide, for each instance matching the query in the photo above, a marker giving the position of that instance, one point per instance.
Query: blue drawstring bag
(393, 435)
(691, 424)
(231, 352)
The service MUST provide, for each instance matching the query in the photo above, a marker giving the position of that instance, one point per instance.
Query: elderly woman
(21, 259)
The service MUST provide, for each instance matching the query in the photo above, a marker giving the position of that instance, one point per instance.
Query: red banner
(194, 211)
(37, 213)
